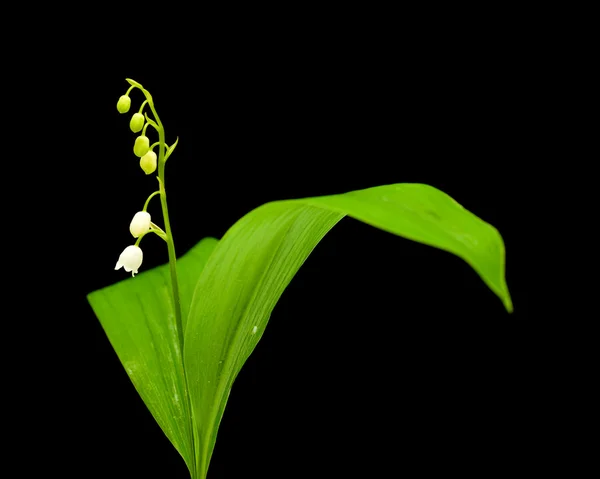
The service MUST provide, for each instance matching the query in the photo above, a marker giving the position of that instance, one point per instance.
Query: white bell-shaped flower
(140, 223)
(130, 259)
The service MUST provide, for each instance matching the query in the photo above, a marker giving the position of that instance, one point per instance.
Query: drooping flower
(123, 104)
(130, 259)
(141, 146)
(148, 162)
(140, 223)
(137, 122)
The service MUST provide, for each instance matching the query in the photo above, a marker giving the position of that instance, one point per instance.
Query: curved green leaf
(138, 317)
(257, 258)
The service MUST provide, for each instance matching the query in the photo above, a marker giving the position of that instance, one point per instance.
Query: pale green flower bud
(140, 224)
(148, 162)
(142, 145)
(130, 259)
(123, 104)
(137, 122)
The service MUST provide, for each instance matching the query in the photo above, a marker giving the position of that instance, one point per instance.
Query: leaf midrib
(221, 387)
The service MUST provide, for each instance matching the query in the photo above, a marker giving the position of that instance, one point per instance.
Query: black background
(382, 354)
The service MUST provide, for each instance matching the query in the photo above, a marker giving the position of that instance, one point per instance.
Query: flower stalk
(142, 224)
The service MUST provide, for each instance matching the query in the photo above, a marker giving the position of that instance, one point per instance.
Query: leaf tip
(508, 304)
(133, 82)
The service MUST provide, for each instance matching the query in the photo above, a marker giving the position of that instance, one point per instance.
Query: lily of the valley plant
(184, 330)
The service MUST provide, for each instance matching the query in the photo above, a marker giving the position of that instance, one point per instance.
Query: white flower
(130, 259)
(140, 223)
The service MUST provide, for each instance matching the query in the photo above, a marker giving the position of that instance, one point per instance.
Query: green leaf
(257, 258)
(138, 317)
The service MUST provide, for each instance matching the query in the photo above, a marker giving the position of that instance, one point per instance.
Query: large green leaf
(257, 258)
(138, 317)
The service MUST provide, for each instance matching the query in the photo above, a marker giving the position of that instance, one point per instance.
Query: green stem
(150, 122)
(171, 250)
(165, 212)
(149, 198)
(155, 144)
(172, 259)
(195, 472)
(143, 105)
(157, 232)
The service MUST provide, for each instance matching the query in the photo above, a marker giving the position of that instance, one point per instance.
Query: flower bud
(141, 146)
(123, 104)
(148, 162)
(140, 223)
(137, 122)
(131, 259)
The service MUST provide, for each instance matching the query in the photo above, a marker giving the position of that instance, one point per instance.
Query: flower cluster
(141, 224)
(131, 258)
